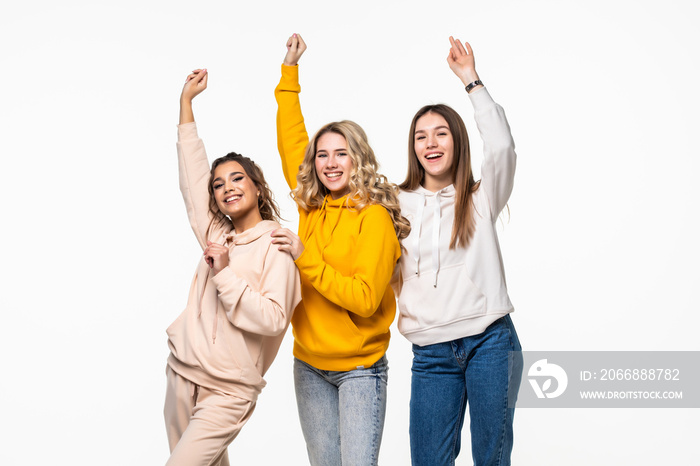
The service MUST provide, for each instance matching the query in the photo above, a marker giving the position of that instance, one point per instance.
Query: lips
(433, 155)
(232, 199)
(332, 176)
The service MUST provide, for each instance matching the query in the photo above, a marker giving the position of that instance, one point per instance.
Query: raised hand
(288, 241)
(295, 49)
(461, 61)
(216, 256)
(195, 83)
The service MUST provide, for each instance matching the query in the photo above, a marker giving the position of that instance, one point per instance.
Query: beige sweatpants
(201, 423)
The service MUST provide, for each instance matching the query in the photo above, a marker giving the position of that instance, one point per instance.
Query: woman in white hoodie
(240, 303)
(453, 300)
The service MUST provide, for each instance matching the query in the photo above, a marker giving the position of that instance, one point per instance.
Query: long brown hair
(462, 175)
(266, 202)
(366, 185)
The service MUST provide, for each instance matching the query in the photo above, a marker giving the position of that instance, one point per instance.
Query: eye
(217, 186)
(442, 133)
(418, 138)
(320, 154)
(237, 179)
(342, 154)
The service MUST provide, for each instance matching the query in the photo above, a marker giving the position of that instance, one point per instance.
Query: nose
(432, 141)
(228, 186)
(332, 161)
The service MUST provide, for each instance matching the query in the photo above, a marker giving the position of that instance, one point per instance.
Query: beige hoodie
(234, 322)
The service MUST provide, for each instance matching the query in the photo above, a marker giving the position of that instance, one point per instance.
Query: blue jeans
(342, 413)
(486, 367)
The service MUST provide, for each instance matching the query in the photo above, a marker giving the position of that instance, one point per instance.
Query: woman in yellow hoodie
(240, 303)
(348, 244)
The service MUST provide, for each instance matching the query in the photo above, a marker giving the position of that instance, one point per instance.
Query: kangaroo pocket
(326, 331)
(423, 306)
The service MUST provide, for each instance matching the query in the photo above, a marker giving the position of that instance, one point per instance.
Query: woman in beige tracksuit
(240, 301)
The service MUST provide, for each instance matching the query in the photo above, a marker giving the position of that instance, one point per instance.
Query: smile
(333, 175)
(434, 155)
(232, 199)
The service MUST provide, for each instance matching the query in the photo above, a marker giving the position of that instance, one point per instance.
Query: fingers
(460, 48)
(199, 75)
(282, 236)
(302, 44)
(292, 42)
(469, 48)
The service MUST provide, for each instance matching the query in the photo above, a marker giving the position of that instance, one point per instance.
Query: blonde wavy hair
(367, 187)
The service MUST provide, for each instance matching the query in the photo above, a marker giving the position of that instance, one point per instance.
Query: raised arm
(195, 83)
(192, 159)
(498, 167)
(292, 137)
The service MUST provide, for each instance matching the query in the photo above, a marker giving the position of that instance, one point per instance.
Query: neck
(241, 224)
(434, 184)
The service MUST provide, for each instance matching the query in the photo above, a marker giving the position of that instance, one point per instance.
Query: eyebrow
(334, 150)
(434, 127)
(218, 178)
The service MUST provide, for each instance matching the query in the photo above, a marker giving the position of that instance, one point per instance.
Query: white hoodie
(448, 294)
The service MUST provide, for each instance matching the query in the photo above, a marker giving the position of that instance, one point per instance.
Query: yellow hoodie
(347, 303)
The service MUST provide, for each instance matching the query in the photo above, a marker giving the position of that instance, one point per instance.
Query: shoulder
(375, 213)
(408, 199)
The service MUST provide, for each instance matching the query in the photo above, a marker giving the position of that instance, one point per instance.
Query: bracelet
(471, 86)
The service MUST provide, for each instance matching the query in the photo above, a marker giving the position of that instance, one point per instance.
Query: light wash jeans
(342, 413)
(487, 368)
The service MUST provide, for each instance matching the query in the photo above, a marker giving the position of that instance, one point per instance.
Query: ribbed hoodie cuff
(480, 98)
(187, 131)
(290, 79)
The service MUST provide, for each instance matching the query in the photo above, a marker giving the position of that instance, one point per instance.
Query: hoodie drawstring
(218, 303)
(435, 238)
(416, 244)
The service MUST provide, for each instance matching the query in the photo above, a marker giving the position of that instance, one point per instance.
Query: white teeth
(432, 156)
(232, 198)
(333, 175)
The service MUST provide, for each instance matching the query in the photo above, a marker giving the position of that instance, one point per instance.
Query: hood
(251, 234)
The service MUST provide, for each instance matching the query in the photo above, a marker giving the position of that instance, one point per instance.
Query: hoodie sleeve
(498, 167)
(373, 260)
(292, 137)
(266, 311)
(194, 178)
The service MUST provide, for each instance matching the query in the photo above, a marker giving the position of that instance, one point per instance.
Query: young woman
(453, 301)
(240, 303)
(346, 251)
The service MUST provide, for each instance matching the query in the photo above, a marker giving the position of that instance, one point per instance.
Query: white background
(600, 248)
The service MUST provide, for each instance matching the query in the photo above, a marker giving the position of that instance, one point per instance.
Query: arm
(192, 159)
(373, 261)
(269, 310)
(498, 167)
(292, 137)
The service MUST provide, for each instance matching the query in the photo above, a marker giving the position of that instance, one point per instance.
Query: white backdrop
(601, 246)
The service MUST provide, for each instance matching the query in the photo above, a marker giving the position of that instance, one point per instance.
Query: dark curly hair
(266, 202)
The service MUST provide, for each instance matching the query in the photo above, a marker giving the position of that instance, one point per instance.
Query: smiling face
(333, 164)
(434, 149)
(236, 195)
